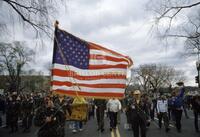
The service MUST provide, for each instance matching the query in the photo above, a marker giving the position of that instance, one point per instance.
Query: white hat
(136, 92)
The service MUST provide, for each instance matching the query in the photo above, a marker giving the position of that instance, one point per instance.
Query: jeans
(100, 118)
(78, 125)
(164, 116)
(113, 119)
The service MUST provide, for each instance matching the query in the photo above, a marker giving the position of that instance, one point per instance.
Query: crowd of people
(141, 109)
(49, 112)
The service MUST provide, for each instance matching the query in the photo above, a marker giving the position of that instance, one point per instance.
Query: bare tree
(141, 74)
(178, 19)
(13, 56)
(38, 14)
(156, 76)
(169, 10)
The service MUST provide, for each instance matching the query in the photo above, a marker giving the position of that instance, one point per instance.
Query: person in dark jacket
(49, 119)
(138, 111)
(196, 110)
(100, 105)
(2, 108)
(177, 103)
(153, 108)
(27, 113)
(13, 112)
(127, 102)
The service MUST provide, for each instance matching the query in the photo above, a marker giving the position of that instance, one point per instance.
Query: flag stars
(74, 50)
(61, 35)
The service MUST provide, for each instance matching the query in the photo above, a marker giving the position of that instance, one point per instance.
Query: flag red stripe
(107, 66)
(97, 47)
(68, 73)
(82, 93)
(102, 57)
(69, 84)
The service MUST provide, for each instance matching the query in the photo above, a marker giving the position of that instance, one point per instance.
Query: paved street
(90, 130)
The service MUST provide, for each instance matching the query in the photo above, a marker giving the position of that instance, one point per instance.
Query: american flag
(86, 69)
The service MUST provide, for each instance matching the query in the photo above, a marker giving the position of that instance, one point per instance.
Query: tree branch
(178, 8)
(25, 19)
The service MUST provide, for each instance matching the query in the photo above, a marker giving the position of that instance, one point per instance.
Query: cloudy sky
(124, 26)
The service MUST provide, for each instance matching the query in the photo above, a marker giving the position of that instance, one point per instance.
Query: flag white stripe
(105, 62)
(101, 81)
(88, 89)
(89, 72)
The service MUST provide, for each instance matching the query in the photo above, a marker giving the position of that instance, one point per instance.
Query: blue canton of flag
(70, 50)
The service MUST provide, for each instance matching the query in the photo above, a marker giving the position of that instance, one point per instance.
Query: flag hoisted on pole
(82, 68)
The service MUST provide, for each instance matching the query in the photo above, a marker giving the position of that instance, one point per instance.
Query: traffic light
(197, 79)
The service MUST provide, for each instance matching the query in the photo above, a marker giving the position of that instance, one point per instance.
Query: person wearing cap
(196, 110)
(162, 109)
(139, 114)
(178, 104)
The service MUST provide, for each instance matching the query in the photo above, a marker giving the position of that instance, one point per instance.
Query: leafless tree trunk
(13, 56)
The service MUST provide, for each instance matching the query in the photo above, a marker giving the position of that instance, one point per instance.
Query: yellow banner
(79, 112)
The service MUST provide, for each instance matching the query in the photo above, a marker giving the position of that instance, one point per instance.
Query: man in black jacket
(13, 112)
(50, 120)
(27, 111)
(138, 112)
(100, 105)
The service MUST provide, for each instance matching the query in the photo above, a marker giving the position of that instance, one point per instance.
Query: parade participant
(13, 108)
(153, 108)
(61, 103)
(162, 108)
(138, 113)
(2, 108)
(113, 107)
(7, 110)
(177, 102)
(77, 126)
(127, 102)
(169, 102)
(49, 120)
(91, 111)
(185, 107)
(27, 112)
(196, 110)
(78, 123)
(100, 105)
